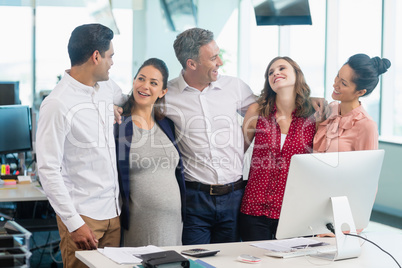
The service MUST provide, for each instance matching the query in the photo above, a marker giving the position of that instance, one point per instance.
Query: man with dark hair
(81, 46)
(205, 107)
(75, 146)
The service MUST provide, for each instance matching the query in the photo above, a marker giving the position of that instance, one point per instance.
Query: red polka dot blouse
(270, 164)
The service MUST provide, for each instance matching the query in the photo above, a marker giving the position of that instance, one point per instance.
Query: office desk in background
(25, 193)
(22, 192)
(371, 256)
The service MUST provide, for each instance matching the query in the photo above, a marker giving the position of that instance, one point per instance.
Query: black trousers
(254, 228)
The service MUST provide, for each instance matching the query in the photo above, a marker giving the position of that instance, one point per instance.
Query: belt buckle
(211, 189)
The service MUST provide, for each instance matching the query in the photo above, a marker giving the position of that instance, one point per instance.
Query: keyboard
(302, 252)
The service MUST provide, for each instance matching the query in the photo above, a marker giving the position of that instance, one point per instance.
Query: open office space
(320, 35)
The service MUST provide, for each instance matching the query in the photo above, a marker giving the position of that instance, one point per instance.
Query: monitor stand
(347, 246)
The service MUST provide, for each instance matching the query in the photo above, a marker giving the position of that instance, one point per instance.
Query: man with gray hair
(204, 107)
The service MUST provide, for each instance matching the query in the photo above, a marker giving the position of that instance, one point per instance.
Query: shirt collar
(356, 112)
(348, 119)
(216, 84)
(87, 89)
(182, 84)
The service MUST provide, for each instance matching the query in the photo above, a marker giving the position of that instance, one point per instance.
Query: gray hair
(187, 44)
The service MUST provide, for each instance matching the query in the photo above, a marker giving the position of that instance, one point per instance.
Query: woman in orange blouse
(349, 127)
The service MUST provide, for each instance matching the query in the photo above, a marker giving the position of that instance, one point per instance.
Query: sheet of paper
(127, 255)
(287, 244)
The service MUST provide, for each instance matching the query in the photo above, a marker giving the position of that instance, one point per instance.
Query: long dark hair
(267, 98)
(159, 106)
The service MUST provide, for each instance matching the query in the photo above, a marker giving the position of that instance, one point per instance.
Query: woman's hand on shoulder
(318, 104)
(322, 109)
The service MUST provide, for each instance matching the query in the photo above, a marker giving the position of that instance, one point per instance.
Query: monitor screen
(9, 93)
(316, 182)
(282, 12)
(314, 178)
(15, 129)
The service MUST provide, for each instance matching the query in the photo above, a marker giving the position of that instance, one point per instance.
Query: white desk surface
(371, 256)
(21, 192)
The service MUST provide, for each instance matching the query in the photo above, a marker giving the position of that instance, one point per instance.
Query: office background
(35, 33)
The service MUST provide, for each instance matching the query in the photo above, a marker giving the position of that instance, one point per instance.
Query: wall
(153, 38)
(389, 196)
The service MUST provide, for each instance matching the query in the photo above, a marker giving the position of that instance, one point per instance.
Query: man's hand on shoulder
(84, 238)
(117, 114)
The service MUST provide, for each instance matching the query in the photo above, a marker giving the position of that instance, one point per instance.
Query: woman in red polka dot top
(282, 124)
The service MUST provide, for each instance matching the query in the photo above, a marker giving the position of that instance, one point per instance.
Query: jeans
(254, 228)
(211, 218)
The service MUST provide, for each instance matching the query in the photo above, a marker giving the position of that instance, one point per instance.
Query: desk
(371, 256)
(28, 192)
(21, 192)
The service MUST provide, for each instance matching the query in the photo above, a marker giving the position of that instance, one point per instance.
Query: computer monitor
(282, 12)
(337, 188)
(9, 92)
(15, 129)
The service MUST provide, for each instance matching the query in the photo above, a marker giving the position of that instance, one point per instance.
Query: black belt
(216, 189)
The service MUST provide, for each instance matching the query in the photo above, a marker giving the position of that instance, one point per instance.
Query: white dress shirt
(76, 152)
(208, 128)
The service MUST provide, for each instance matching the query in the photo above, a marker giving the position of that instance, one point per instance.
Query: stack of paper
(127, 255)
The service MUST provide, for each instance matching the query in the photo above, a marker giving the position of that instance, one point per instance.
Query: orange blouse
(354, 131)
